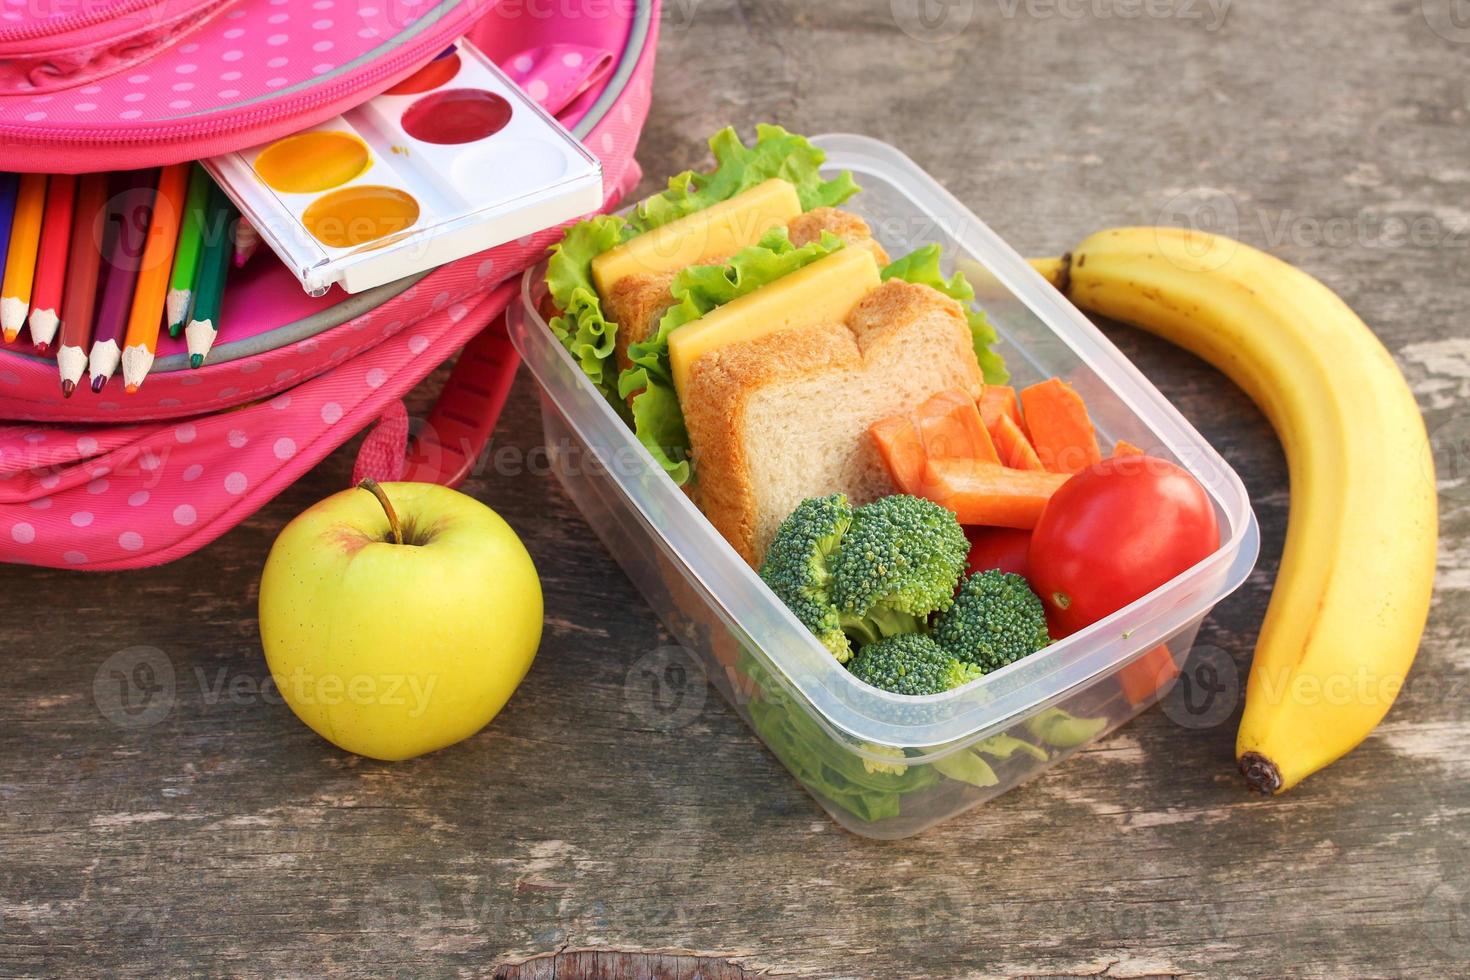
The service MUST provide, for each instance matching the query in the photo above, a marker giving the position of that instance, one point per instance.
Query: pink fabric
(159, 81)
(154, 488)
(381, 455)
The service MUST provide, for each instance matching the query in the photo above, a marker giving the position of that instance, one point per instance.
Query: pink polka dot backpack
(118, 480)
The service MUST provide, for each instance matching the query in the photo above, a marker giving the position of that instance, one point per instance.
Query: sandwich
(763, 210)
(752, 340)
(779, 388)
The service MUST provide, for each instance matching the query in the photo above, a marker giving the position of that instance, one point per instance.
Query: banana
(1352, 595)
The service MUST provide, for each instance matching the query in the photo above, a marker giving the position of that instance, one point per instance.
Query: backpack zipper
(270, 111)
(90, 16)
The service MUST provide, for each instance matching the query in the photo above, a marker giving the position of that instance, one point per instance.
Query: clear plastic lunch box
(881, 764)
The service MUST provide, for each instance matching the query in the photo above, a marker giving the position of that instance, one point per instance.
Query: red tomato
(998, 547)
(1115, 532)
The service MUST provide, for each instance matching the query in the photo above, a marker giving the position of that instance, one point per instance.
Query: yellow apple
(398, 619)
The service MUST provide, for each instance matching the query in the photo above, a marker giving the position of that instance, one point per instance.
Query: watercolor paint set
(452, 160)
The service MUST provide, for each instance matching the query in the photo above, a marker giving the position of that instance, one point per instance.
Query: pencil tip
(196, 360)
(10, 336)
(67, 387)
(97, 383)
(130, 389)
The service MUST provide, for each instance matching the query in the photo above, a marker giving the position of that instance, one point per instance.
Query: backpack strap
(465, 415)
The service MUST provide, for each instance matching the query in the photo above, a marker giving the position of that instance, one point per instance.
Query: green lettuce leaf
(775, 153)
(658, 420)
(826, 767)
(967, 767)
(921, 266)
(582, 328)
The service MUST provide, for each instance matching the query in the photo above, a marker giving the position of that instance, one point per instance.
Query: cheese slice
(717, 231)
(824, 292)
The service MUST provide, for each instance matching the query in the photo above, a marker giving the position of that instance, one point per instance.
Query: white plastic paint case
(527, 175)
(881, 764)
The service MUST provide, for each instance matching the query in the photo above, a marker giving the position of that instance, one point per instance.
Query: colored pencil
(128, 215)
(186, 254)
(247, 240)
(20, 257)
(82, 268)
(51, 259)
(146, 316)
(9, 187)
(214, 264)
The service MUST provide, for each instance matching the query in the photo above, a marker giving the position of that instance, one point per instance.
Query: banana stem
(1056, 270)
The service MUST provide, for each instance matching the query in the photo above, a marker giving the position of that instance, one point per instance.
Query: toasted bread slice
(636, 302)
(807, 228)
(777, 420)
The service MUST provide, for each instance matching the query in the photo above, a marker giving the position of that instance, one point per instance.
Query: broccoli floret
(996, 620)
(910, 663)
(796, 567)
(894, 767)
(899, 562)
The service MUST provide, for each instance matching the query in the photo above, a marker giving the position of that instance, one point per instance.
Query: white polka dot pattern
(295, 42)
(194, 451)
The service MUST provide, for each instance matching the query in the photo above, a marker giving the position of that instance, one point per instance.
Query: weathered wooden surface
(607, 964)
(226, 838)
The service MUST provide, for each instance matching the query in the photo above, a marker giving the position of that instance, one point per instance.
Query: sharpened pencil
(214, 265)
(186, 254)
(247, 240)
(146, 316)
(82, 268)
(20, 257)
(128, 216)
(51, 259)
(9, 187)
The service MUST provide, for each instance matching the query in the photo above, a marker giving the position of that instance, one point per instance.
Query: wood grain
(225, 838)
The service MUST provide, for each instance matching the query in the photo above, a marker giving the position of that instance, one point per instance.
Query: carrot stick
(1142, 679)
(1059, 427)
(1016, 450)
(1125, 448)
(951, 428)
(998, 400)
(898, 442)
(990, 494)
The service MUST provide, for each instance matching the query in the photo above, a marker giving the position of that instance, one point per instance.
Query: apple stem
(372, 487)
